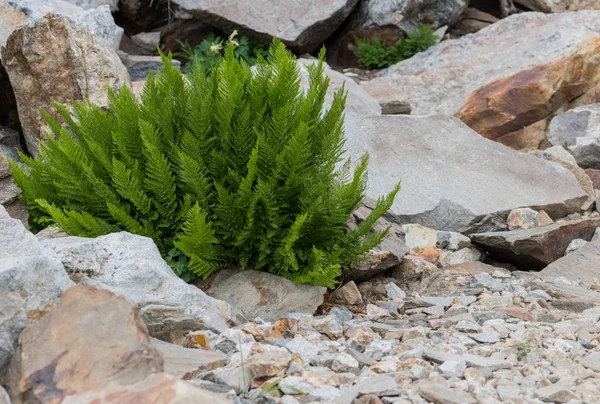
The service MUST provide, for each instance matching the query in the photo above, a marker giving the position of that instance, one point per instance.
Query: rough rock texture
(254, 294)
(537, 247)
(578, 130)
(12, 321)
(451, 177)
(409, 15)
(358, 101)
(579, 266)
(462, 77)
(97, 20)
(9, 192)
(559, 6)
(131, 266)
(92, 339)
(186, 363)
(159, 388)
(10, 19)
(88, 4)
(34, 56)
(301, 25)
(347, 294)
(473, 20)
(27, 269)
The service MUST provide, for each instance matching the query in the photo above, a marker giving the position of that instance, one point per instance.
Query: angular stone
(443, 395)
(139, 67)
(411, 266)
(186, 363)
(89, 4)
(448, 240)
(575, 244)
(419, 237)
(97, 20)
(537, 247)
(560, 153)
(516, 312)
(301, 28)
(159, 388)
(487, 364)
(87, 67)
(374, 262)
(69, 351)
(147, 42)
(591, 361)
(523, 218)
(559, 6)
(461, 76)
(394, 292)
(269, 363)
(12, 321)
(438, 171)
(131, 266)
(10, 19)
(579, 266)
(490, 337)
(460, 257)
(347, 294)
(556, 393)
(254, 294)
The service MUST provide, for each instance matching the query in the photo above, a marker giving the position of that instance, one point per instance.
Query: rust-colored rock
(159, 388)
(55, 60)
(91, 340)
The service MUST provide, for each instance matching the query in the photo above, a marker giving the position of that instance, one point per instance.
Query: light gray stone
(452, 177)
(485, 280)
(490, 337)
(448, 240)
(89, 4)
(591, 361)
(575, 244)
(302, 28)
(131, 266)
(559, 6)
(10, 19)
(439, 394)
(487, 364)
(560, 153)
(98, 20)
(452, 368)
(12, 321)
(140, 66)
(147, 42)
(419, 372)
(461, 256)
(295, 385)
(579, 266)
(394, 292)
(254, 294)
(4, 398)
(186, 363)
(347, 294)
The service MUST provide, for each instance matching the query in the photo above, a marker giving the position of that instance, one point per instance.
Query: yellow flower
(216, 47)
(235, 43)
(233, 35)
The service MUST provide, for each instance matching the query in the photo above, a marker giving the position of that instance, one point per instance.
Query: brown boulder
(55, 60)
(91, 340)
(536, 247)
(159, 388)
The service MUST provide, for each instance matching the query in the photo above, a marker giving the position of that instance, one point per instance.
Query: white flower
(233, 35)
(216, 47)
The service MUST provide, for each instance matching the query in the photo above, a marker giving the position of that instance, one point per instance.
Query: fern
(239, 167)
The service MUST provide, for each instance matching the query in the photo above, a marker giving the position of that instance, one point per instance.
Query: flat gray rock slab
(303, 25)
(452, 177)
(582, 265)
(254, 294)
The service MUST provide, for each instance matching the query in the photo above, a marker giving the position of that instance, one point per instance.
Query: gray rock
(586, 151)
(485, 280)
(302, 28)
(12, 321)
(452, 368)
(537, 247)
(439, 394)
(575, 244)
(28, 270)
(381, 385)
(460, 257)
(139, 67)
(347, 294)
(254, 294)
(88, 4)
(186, 363)
(419, 372)
(10, 19)
(394, 292)
(591, 361)
(487, 364)
(131, 266)
(439, 172)
(98, 20)
(301, 347)
(147, 42)
(448, 240)
(579, 266)
(4, 398)
(409, 15)
(559, 6)
(457, 76)
(490, 337)
(579, 123)
(358, 101)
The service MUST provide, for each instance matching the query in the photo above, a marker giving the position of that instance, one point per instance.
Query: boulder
(347, 294)
(358, 101)
(12, 321)
(27, 270)
(451, 177)
(9, 192)
(34, 53)
(462, 77)
(97, 20)
(559, 6)
(536, 247)
(578, 130)
(302, 28)
(186, 363)
(581, 265)
(131, 266)
(158, 388)
(70, 351)
(254, 294)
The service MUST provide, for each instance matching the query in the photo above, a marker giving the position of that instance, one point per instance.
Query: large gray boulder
(98, 20)
(254, 294)
(131, 266)
(301, 26)
(559, 6)
(554, 58)
(578, 130)
(452, 177)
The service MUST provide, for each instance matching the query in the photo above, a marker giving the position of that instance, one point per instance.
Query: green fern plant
(240, 167)
(373, 54)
